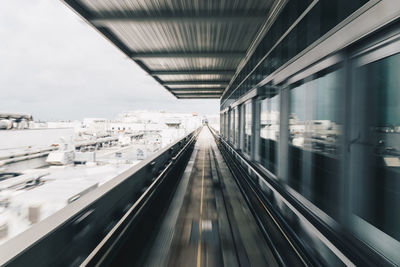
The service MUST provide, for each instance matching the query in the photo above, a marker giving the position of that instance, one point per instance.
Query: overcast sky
(56, 67)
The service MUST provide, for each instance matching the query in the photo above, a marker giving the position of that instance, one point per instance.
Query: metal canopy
(191, 47)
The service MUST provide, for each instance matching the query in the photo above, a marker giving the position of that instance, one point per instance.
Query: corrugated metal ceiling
(157, 7)
(185, 44)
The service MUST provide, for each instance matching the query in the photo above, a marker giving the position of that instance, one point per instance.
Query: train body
(317, 111)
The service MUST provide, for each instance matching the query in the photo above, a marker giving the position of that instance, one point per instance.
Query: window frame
(362, 229)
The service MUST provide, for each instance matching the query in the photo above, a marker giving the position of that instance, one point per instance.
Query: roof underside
(191, 47)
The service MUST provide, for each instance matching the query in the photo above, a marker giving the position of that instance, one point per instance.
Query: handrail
(102, 250)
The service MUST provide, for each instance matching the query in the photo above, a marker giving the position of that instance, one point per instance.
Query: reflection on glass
(222, 126)
(232, 126)
(247, 127)
(314, 130)
(376, 151)
(236, 120)
(226, 125)
(269, 132)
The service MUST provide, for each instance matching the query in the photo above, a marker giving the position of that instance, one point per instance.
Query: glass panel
(269, 132)
(297, 106)
(221, 122)
(376, 151)
(226, 118)
(314, 131)
(232, 126)
(236, 126)
(247, 127)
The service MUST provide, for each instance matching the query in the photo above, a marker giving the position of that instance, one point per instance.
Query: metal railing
(92, 224)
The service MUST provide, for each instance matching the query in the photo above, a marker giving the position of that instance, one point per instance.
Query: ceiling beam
(216, 89)
(191, 72)
(197, 96)
(196, 92)
(183, 54)
(200, 82)
(252, 17)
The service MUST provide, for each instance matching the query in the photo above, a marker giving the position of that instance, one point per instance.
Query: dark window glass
(269, 133)
(329, 16)
(314, 129)
(221, 123)
(314, 23)
(345, 7)
(226, 119)
(375, 151)
(236, 114)
(232, 126)
(301, 35)
(247, 127)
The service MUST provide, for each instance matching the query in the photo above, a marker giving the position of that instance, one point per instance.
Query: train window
(221, 122)
(226, 125)
(269, 132)
(247, 127)
(315, 127)
(375, 150)
(232, 126)
(236, 125)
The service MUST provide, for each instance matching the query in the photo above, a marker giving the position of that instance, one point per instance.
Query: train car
(316, 111)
